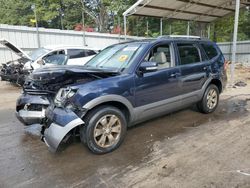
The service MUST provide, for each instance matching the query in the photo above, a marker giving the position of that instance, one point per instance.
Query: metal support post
(161, 26)
(236, 22)
(125, 27)
(188, 28)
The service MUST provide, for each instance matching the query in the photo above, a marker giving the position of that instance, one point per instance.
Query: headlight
(63, 94)
(27, 66)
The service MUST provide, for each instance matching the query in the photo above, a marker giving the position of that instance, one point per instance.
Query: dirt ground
(183, 149)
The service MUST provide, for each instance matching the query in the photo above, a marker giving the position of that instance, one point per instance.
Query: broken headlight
(63, 94)
(16, 63)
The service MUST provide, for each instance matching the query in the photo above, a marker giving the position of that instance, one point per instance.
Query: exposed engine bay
(13, 71)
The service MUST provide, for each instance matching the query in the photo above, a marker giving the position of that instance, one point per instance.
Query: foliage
(106, 16)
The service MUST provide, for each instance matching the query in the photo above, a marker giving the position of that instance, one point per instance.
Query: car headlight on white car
(16, 63)
(62, 95)
(27, 66)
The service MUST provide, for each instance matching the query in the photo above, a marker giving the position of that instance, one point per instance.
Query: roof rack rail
(179, 36)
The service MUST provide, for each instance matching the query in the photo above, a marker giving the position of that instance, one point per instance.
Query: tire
(210, 100)
(99, 133)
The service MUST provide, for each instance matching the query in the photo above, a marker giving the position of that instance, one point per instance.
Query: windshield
(38, 53)
(116, 57)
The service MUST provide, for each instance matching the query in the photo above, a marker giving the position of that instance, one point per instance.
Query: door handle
(173, 75)
(205, 68)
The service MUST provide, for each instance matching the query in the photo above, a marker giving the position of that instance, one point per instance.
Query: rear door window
(188, 53)
(76, 53)
(210, 50)
(89, 52)
(58, 52)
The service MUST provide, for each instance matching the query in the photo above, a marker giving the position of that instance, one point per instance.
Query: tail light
(226, 64)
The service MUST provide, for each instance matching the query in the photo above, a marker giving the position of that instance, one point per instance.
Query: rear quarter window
(210, 50)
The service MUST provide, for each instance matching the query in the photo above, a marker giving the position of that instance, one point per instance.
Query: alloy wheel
(107, 131)
(212, 99)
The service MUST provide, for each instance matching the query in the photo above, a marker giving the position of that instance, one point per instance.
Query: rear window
(210, 50)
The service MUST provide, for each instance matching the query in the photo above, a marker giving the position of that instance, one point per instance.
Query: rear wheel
(104, 130)
(210, 100)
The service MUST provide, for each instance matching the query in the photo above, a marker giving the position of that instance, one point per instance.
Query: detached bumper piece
(62, 122)
(30, 117)
(31, 109)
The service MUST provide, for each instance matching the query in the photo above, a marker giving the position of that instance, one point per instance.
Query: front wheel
(104, 130)
(210, 100)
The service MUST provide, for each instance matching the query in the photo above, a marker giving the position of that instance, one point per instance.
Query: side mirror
(41, 62)
(148, 66)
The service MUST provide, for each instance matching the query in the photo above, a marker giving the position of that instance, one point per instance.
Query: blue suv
(132, 82)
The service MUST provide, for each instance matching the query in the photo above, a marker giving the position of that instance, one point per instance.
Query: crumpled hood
(48, 73)
(53, 78)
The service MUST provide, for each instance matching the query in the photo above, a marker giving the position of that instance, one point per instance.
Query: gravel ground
(183, 149)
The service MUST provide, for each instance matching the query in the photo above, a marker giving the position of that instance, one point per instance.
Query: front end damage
(41, 86)
(60, 122)
(30, 109)
(65, 117)
(13, 71)
(32, 104)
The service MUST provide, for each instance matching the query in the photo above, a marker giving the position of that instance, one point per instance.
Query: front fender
(110, 98)
(54, 135)
(64, 121)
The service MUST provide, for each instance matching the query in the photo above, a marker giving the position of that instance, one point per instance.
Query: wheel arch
(218, 83)
(112, 100)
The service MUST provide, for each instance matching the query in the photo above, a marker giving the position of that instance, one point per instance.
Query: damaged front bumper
(61, 122)
(31, 109)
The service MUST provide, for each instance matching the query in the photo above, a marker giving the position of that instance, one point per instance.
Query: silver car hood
(14, 48)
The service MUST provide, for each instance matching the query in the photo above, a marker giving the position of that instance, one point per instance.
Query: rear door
(79, 56)
(193, 65)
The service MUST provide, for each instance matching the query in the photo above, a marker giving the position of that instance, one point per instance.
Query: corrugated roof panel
(150, 10)
(168, 3)
(198, 10)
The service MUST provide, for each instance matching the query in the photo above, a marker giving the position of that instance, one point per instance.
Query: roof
(62, 46)
(189, 10)
(166, 38)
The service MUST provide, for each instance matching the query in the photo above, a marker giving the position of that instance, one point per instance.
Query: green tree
(103, 15)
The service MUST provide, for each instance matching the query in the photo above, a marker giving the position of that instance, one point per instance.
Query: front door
(155, 90)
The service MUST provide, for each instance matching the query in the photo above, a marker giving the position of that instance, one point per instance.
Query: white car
(13, 71)
(78, 55)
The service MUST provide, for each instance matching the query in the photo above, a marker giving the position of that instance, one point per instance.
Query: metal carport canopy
(205, 11)
(189, 10)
